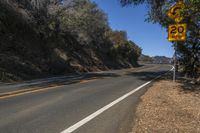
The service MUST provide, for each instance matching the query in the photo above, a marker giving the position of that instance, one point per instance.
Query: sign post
(176, 32)
(174, 74)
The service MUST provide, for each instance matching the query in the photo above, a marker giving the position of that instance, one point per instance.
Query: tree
(42, 37)
(83, 19)
(118, 37)
(189, 51)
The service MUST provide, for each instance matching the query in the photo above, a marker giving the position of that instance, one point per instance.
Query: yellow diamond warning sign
(175, 12)
(177, 32)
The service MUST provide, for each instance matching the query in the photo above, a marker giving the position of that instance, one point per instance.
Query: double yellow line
(35, 89)
(40, 89)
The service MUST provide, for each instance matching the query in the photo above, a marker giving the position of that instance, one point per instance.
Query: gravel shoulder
(169, 107)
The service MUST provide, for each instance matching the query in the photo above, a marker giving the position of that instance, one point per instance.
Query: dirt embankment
(169, 107)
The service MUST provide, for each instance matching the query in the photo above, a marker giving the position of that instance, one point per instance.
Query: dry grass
(168, 108)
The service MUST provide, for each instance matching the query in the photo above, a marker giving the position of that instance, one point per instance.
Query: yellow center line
(86, 81)
(34, 90)
(27, 92)
(38, 89)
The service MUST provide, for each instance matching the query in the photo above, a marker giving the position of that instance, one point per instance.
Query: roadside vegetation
(40, 38)
(188, 51)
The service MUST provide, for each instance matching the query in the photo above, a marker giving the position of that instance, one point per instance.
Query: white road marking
(172, 68)
(98, 112)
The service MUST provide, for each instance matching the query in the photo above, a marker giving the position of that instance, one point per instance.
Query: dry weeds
(168, 108)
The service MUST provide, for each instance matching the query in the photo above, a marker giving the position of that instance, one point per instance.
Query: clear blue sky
(150, 37)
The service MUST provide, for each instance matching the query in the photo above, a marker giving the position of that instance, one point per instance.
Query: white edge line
(98, 112)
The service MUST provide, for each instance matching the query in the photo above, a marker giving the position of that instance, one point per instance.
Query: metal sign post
(174, 74)
(176, 32)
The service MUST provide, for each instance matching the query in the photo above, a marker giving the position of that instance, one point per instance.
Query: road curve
(55, 110)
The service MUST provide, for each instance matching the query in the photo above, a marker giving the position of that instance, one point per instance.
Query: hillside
(162, 60)
(45, 38)
(155, 59)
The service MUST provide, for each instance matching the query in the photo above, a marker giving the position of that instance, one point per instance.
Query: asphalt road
(56, 109)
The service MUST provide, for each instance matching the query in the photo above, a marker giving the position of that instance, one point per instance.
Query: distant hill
(155, 59)
(162, 60)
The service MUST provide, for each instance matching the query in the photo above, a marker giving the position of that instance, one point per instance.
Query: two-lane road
(102, 105)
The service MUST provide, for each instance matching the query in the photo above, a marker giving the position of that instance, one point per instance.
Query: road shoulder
(169, 107)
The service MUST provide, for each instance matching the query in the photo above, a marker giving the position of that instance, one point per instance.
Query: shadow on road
(146, 75)
(56, 81)
(78, 78)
